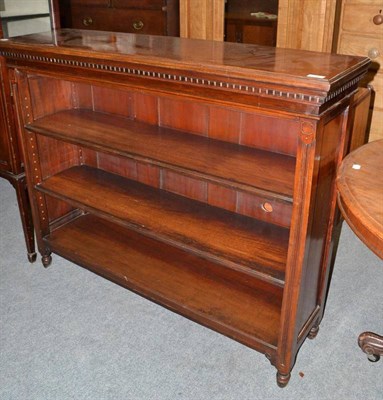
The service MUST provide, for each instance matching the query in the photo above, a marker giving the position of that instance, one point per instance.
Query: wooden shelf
(187, 284)
(239, 242)
(225, 163)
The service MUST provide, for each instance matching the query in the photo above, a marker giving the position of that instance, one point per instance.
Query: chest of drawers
(361, 33)
(157, 17)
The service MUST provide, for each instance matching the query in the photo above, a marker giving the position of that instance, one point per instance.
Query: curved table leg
(372, 345)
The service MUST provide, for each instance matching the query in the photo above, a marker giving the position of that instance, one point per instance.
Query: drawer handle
(87, 21)
(378, 19)
(137, 25)
(267, 207)
(373, 53)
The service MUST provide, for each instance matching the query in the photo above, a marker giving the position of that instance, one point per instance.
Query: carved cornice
(108, 66)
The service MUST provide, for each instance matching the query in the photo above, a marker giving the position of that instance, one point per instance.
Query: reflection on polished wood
(360, 198)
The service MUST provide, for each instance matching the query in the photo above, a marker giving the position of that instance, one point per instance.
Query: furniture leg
(372, 345)
(26, 217)
(283, 379)
(19, 184)
(46, 259)
(313, 332)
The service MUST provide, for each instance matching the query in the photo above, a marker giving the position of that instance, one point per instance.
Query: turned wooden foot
(372, 345)
(283, 379)
(46, 260)
(313, 332)
(32, 257)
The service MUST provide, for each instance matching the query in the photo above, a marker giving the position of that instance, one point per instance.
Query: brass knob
(267, 207)
(137, 25)
(378, 19)
(373, 53)
(87, 21)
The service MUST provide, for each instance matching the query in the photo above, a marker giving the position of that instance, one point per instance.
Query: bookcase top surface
(245, 61)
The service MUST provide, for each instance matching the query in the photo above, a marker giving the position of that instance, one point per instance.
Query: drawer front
(358, 17)
(139, 4)
(132, 21)
(362, 46)
(376, 124)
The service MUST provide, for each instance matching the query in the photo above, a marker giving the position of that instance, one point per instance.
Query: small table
(360, 199)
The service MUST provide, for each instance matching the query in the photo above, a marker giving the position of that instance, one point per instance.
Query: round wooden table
(360, 199)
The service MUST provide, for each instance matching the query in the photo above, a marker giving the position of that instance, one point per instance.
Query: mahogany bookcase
(198, 174)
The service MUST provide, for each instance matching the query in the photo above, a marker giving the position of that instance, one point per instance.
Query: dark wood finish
(360, 188)
(242, 167)
(177, 279)
(11, 162)
(269, 6)
(361, 121)
(245, 28)
(227, 238)
(244, 22)
(158, 17)
(196, 173)
(54, 13)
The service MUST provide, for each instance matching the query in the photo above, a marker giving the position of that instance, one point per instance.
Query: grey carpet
(69, 334)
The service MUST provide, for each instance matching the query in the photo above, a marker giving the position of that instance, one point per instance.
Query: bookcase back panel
(57, 156)
(58, 209)
(254, 129)
(263, 208)
(49, 95)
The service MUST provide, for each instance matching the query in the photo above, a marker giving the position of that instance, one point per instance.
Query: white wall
(22, 7)
(14, 8)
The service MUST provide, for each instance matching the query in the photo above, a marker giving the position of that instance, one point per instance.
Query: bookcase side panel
(56, 156)
(332, 139)
(305, 171)
(49, 95)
